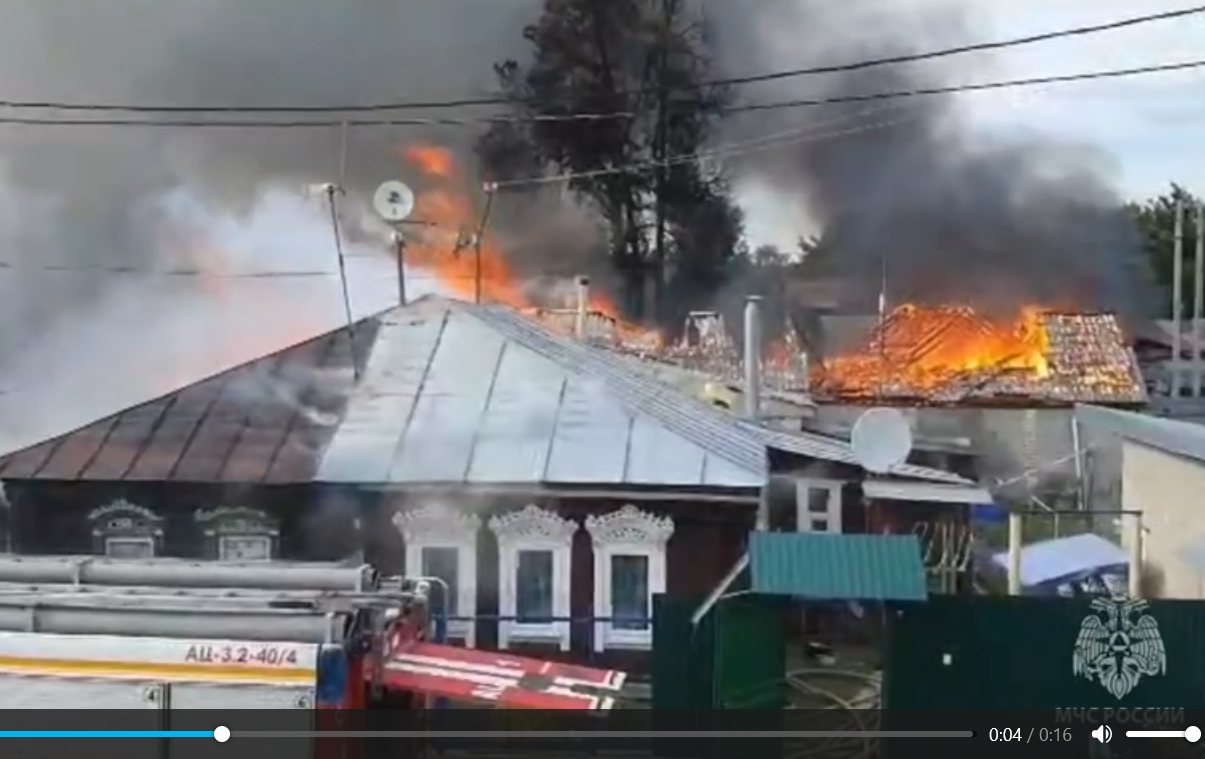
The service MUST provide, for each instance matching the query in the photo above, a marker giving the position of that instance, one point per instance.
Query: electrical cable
(722, 82)
(49, 121)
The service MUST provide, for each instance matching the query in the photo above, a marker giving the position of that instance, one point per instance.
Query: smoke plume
(93, 198)
(960, 215)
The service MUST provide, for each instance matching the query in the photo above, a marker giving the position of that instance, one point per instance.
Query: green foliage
(674, 227)
(1156, 218)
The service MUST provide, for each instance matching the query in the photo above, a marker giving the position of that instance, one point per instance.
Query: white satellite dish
(393, 201)
(881, 440)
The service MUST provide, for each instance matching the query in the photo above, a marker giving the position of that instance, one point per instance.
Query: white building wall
(1169, 492)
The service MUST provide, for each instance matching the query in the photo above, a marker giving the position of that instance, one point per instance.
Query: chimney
(753, 347)
(1198, 307)
(583, 308)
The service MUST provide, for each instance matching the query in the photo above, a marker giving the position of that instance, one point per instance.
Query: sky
(1147, 128)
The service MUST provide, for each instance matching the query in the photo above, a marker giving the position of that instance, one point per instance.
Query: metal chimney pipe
(583, 308)
(1177, 298)
(400, 242)
(1198, 305)
(1016, 531)
(753, 347)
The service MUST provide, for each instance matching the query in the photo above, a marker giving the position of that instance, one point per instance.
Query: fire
(448, 251)
(920, 350)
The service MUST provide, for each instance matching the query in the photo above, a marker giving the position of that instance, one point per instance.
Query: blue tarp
(1061, 560)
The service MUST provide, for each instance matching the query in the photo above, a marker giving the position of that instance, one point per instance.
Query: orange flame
(924, 349)
(456, 253)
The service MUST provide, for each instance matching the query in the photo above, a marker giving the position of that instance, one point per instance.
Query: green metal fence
(1021, 652)
(733, 659)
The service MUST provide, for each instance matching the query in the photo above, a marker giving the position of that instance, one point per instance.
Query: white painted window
(130, 548)
(818, 505)
(244, 548)
(629, 569)
(535, 549)
(442, 542)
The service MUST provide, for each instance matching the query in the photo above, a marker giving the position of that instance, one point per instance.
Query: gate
(1016, 652)
(733, 659)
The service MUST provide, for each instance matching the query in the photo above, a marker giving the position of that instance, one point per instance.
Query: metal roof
(926, 492)
(262, 422)
(462, 394)
(837, 567)
(1181, 438)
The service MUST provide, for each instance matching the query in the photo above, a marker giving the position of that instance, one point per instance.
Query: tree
(1156, 219)
(671, 227)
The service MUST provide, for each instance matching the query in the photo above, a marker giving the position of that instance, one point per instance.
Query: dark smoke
(961, 215)
(90, 197)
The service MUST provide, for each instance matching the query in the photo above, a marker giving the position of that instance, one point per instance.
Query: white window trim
(533, 529)
(626, 532)
(130, 540)
(439, 526)
(803, 515)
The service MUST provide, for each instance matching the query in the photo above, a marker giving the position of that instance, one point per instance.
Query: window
(442, 542)
(533, 587)
(130, 548)
(535, 547)
(444, 563)
(629, 569)
(244, 548)
(817, 506)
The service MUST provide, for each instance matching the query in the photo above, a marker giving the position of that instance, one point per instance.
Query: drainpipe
(1015, 523)
(583, 308)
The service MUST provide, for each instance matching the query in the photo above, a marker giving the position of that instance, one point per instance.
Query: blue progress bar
(106, 734)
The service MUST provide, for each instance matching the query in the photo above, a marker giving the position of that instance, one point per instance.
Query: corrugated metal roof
(926, 492)
(1181, 438)
(839, 451)
(457, 393)
(266, 421)
(837, 567)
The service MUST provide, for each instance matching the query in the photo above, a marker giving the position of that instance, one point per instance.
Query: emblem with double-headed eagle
(1119, 645)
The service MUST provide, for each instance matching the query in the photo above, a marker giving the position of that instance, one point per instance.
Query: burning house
(552, 485)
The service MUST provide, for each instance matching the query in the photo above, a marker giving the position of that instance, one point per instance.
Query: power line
(742, 80)
(748, 108)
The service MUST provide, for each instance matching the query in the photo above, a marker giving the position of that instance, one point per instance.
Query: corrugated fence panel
(992, 652)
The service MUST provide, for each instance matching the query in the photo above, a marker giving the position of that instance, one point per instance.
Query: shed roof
(449, 394)
(837, 567)
(1185, 439)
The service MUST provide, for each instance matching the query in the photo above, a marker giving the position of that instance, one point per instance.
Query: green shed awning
(837, 567)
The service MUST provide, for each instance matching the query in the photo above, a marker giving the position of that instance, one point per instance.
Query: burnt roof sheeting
(266, 421)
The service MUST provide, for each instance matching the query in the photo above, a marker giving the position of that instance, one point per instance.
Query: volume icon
(1104, 733)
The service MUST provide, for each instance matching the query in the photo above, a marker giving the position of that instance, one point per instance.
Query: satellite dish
(393, 201)
(881, 439)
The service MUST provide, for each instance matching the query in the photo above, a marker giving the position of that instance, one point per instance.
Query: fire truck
(100, 633)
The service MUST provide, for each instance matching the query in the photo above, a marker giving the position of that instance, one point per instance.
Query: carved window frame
(534, 529)
(237, 522)
(439, 526)
(628, 531)
(122, 522)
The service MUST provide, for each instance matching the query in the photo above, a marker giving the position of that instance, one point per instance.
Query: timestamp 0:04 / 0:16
(1029, 735)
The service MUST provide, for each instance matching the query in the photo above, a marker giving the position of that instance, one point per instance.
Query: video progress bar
(604, 734)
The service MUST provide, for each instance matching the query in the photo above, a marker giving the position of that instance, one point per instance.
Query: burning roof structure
(956, 356)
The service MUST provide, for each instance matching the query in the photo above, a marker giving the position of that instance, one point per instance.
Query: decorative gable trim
(630, 525)
(533, 524)
(437, 522)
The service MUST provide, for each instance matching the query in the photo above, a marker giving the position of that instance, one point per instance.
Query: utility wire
(748, 108)
(741, 80)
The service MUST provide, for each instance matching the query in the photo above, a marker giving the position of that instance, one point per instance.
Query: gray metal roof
(1181, 438)
(456, 393)
(460, 394)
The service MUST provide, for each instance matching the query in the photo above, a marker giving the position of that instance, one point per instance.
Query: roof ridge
(646, 395)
